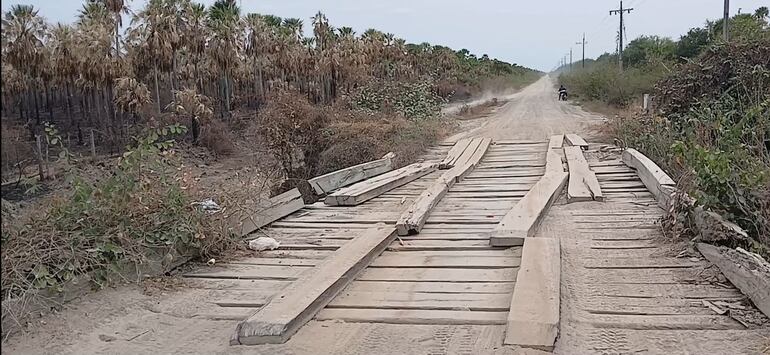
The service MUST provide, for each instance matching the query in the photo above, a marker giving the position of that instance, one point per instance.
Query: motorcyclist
(562, 92)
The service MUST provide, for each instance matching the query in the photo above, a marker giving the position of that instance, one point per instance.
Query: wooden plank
(533, 320)
(329, 182)
(368, 189)
(556, 141)
(583, 185)
(396, 260)
(524, 218)
(248, 272)
(656, 180)
(468, 153)
(409, 316)
(277, 207)
(451, 157)
(438, 274)
(291, 308)
(432, 287)
(491, 302)
(576, 141)
(748, 273)
(412, 220)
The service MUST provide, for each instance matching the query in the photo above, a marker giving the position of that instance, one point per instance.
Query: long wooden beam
(327, 183)
(583, 185)
(277, 207)
(533, 320)
(412, 220)
(653, 177)
(576, 140)
(524, 218)
(371, 188)
(295, 305)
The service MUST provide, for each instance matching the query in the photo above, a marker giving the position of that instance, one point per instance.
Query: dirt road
(444, 291)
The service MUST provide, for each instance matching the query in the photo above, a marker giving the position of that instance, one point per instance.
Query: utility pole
(725, 19)
(620, 12)
(570, 59)
(584, 49)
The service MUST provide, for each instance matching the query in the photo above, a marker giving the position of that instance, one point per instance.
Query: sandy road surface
(127, 321)
(534, 113)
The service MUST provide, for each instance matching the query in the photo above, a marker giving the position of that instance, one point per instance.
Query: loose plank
(329, 182)
(524, 218)
(371, 188)
(556, 141)
(414, 218)
(533, 320)
(583, 185)
(457, 149)
(291, 308)
(277, 207)
(577, 141)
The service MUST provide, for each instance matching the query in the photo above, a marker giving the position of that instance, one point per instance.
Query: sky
(536, 34)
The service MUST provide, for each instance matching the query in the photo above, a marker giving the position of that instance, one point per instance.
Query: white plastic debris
(263, 243)
(208, 205)
(211, 262)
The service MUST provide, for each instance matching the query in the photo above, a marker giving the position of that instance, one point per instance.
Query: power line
(584, 49)
(620, 12)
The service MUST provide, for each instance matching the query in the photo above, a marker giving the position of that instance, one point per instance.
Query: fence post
(93, 145)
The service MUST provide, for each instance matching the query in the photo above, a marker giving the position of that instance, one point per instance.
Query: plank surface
(291, 308)
(371, 188)
(329, 182)
(583, 185)
(576, 140)
(417, 300)
(410, 316)
(524, 218)
(279, 206)
(533, 320)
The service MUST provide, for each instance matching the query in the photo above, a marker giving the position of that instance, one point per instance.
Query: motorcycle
(562, 96)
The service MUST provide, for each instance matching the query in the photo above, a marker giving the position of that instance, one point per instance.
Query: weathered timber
(329, 182)
(576, 141)
(457, 149)
(412, 220)
(556, 141)
(533, 320)
(656, 180)
(291, 308)
(524, 218)
(371, 188)
(277, 207)
(749, 273)
(583, 185)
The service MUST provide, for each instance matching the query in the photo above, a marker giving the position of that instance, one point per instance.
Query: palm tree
(24, 32)
(225, 42)
(117, 8)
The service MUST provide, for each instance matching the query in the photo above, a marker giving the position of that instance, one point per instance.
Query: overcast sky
(531, 33)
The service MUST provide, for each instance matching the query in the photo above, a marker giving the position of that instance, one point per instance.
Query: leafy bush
(604, 82)
(714, 134)
(103, 224)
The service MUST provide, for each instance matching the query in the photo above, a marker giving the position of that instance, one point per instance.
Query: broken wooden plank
(533, 320)
(576, 141)
(291, 308)
(277, 207)
(457, 149)
(371, 188)
(556, 141)
(749, 273)
(524, 218)
(653, 177)
(329, 182)
(412, 220)
(583, 185)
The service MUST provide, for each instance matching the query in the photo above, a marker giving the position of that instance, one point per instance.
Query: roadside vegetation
(97, 118)
(710, 121)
